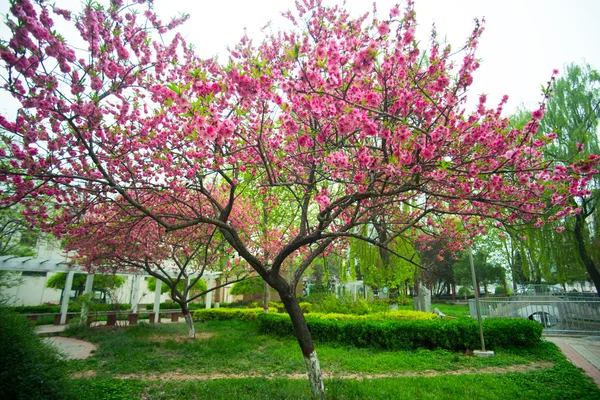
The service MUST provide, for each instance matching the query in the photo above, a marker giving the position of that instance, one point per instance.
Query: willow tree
(378, 266)
(573, 114)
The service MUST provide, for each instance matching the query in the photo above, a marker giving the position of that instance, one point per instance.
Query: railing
(559, 315)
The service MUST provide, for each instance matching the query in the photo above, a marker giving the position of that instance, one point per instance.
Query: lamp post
(482, 352)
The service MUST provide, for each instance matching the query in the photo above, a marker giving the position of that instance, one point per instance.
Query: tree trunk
(583, 253)
(306, 345)
(191, 330)
(266, 298)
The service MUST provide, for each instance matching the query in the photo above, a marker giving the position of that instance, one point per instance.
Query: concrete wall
(33, 292)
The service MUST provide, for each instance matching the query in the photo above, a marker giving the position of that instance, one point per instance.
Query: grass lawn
(232, 360)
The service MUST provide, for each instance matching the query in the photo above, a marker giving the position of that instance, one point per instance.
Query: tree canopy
(566, 250)
(251, 285)
(58, 281)
(344, 121)
(200, 286)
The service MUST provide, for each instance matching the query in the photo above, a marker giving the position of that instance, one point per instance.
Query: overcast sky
(522, 43)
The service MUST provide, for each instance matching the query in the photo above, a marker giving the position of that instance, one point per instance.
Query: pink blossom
(537, 115)
(306, 141)
(383, 29)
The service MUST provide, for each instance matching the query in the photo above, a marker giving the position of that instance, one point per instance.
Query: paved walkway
(582, 351)
(70, 348)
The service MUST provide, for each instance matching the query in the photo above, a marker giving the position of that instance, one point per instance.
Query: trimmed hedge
(43, 309)
(171, 305)
(224, 314)
(398, 315)
(454, 335)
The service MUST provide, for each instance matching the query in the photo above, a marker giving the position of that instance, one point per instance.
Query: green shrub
(455, 335)
(461, 291)
(306, 307)
(382, 305)
(29, 368)
(223, 314)
(171, 305)
(278, 305)
(44, 309)
(398, 315)
(341, 305)
(238, 304)
(499, 291)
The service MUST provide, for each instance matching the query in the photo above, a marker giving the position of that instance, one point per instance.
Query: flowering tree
(344, 119)
(110, 240)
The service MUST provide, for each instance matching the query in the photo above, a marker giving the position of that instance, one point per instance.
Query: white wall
(33, 292)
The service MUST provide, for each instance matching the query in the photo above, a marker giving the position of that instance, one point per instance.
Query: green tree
(439, 268)
(573, 114)
(251, 285)
(381, 267)
(16, 236)
(543, 254)
(200, 286)
(101, 282)
(486, 272)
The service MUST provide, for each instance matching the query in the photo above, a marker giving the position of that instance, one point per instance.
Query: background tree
(341, 113)
(486, 272)
(16, 239)
(378, 266)
(103, 283)
(110, 240)
(16, 236)
(253, 285)
(573, 114)
(438, 273)
(200, 286)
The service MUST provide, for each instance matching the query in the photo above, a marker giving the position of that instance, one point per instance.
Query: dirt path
(180, 376)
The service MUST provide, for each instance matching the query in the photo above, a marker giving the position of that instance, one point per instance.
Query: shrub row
(398, 315)
(223, 314)
(44, 309)
(455, 335)
(171, 305)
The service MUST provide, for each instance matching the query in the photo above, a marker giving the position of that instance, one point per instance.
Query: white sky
(523, 42)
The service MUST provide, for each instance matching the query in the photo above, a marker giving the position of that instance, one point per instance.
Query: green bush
(306, 307)
(380, 305)
(343, 305)
(278, 305)
(223, 314)
(29, 368)
(170, 305)
(44, 309)
(455, 335)
(238, 304)
(499, 291)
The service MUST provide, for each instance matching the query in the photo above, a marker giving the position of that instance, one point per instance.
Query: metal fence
(559, 315)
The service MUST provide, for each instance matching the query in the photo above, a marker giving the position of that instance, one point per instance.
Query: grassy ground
(231, 359)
